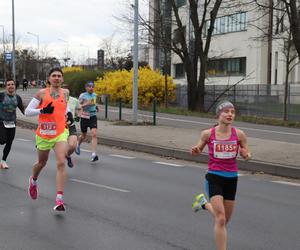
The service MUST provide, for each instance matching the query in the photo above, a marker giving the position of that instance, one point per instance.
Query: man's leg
(10, 135)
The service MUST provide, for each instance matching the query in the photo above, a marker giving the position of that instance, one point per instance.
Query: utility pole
(270, 37)
(13, 42)
(3, 42)
(135, 65)
(38, 54)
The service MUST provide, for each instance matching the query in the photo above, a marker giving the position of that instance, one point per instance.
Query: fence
(253, 100)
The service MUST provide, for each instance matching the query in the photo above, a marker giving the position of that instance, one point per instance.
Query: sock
(33, 180)
(59, 195)
(93, 154)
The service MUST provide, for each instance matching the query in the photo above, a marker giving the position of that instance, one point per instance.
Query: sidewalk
(273, 157)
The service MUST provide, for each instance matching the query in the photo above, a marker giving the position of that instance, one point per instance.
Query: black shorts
(88, 123)
(219, 185)
(72, 130)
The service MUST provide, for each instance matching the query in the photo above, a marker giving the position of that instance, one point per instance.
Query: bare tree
(199, 13)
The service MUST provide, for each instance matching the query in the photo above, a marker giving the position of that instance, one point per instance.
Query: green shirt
(73, 105)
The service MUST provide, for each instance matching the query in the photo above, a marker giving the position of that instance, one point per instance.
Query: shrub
(151, 84)
(72, 69)
(75, 80)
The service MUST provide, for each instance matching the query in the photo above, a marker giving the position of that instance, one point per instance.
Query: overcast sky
(85, 22)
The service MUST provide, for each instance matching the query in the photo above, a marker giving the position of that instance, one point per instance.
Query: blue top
(85, 97)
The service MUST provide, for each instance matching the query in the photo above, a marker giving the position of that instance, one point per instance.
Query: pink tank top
(223, 153)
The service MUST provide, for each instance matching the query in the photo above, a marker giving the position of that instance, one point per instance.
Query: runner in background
(50, 104)
(9, 101)
(75, 109)
(88, 118)
(224, 142)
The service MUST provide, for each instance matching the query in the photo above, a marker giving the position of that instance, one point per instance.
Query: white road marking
(85, 150)
(287, 183)
(168, 164)
(20, 139)
(100, 186)
(123, 156)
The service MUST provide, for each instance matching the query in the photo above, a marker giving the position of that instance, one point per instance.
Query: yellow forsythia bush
(72, 69)
(151, 84)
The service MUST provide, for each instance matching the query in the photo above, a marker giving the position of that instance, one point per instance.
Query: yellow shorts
(47, 144)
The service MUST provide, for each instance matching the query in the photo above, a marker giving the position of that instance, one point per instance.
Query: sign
(8, 56)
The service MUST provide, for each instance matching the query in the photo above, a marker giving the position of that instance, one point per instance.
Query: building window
(227, 67)
(226, 24)
(179, 70)
(180, 3)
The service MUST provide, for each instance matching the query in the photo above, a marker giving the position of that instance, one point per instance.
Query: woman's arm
(244, 149)
(204, 137)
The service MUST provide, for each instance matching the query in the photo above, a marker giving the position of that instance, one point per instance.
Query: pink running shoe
(32, 189)
(60, 207)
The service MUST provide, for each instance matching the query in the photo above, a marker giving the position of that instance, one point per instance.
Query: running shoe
(32, 189)
(59, 206)
(70, 163)
(4, 165)
(77, 149)
(199, 202)
(94, 158)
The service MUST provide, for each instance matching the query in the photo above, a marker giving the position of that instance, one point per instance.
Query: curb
(253, 165)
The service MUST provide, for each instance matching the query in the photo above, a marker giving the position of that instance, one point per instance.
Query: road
(136, 201)
(268, 132)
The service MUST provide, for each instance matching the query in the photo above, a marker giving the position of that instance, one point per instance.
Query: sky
(67, 27)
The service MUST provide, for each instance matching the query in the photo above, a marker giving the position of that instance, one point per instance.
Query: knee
(220, 219)
(60, 165)
(42, 163)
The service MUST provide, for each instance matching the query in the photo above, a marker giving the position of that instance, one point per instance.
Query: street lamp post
(38, 54)
(88, 50)
(3, 42)
(13, 42)
(67, 51)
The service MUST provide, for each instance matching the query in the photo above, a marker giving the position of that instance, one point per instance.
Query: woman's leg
(218, 209)
(229, 207)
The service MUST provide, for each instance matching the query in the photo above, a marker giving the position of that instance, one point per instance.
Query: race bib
(225, 149)
(9, 124)
(48, 128)
(85, 115)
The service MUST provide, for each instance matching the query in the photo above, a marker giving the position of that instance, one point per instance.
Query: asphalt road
(268, 132)
(135, 201)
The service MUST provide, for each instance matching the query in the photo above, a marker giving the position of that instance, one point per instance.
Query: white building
(238, 48)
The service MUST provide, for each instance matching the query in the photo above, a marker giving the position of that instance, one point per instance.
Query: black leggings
(8, 134)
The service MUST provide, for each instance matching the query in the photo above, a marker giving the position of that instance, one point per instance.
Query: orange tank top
(52, 125)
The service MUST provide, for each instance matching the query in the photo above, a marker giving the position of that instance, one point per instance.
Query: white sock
(59, 197)
(93, 154)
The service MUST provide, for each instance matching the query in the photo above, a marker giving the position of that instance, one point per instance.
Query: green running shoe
(199, 202)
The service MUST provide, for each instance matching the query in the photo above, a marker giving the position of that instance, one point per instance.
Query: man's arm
(20, 104)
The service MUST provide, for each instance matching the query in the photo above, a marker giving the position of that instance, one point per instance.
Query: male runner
(50, 104)
(9, 101)
(88, 118)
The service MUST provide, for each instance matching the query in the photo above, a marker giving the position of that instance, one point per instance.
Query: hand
(195, 150)
(48, 109)
(245, 154)
(70, 119)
